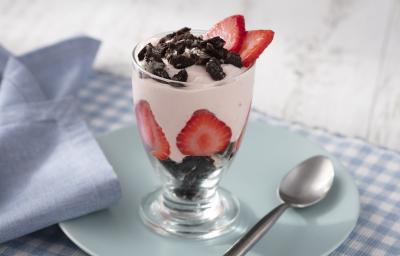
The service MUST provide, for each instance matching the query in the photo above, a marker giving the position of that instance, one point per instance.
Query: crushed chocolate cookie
(190, 172)
(142, 53)
(218, 53)
(181, 61)
(167, 38)
(181, 76)
(213, 67)
(183, 30)
(217, 42)
(161, 73)
(182, 49)
(152, 65)
(234, 59)
(162, 48)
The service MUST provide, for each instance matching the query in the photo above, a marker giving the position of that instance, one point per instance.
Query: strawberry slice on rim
(203, 135)
(254, 43)
(231, 29)
(151, 133)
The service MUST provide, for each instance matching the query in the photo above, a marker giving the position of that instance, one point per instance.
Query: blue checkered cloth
(107, 105)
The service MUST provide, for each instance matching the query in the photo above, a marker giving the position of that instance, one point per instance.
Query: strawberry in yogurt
(192, 93)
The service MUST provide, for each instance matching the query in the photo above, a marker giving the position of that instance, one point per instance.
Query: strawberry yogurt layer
(171, 109)
(193, 93)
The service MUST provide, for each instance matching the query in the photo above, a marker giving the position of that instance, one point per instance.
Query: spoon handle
(244, 244)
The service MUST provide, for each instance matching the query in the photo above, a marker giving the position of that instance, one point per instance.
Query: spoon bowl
(307, 183)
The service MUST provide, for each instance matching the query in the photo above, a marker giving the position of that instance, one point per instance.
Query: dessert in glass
(192, 94)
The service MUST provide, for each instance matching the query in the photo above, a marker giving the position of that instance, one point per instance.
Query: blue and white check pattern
(106, 104)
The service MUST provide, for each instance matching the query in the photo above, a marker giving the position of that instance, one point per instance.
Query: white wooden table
(334, 64)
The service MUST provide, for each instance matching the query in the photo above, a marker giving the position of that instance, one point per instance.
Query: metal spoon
(305, 185)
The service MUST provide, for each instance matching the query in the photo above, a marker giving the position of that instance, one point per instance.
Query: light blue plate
(267, 153)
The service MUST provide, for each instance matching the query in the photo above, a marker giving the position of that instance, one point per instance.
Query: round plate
(266, 154)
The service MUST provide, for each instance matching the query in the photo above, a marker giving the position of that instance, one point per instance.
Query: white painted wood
(384, 124)
(324, 69)
(334, 64)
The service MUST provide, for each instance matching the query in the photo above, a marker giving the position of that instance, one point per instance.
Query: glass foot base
(195, 221)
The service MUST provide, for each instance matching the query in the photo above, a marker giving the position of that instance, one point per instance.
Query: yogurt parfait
(192, 93)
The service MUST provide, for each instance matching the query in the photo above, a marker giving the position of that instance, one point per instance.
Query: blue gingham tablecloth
(107, 105)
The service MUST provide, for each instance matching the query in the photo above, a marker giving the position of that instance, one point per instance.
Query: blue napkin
(51, 168)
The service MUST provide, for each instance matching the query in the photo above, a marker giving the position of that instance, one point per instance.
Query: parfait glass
(174, 119)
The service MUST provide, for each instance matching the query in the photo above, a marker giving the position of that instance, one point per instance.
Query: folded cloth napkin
(51, 168)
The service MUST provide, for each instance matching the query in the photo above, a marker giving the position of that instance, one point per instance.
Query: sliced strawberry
(230, 29)
(151, 133)
(203, 135)
(254, 43)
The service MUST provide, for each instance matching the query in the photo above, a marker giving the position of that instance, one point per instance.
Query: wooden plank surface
(384, 123)
(325, 70)
(334, 64)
